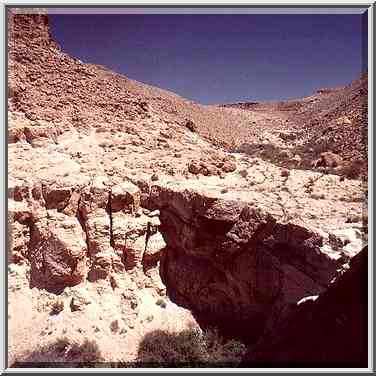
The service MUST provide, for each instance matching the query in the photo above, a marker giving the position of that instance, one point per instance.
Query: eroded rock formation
(236, 266)
(89, 231)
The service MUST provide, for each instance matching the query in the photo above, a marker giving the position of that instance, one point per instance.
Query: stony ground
(159, 156)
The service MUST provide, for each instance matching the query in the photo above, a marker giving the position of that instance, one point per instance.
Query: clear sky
(221, 58)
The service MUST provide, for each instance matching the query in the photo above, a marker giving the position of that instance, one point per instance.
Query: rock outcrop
(70, 233)
(236, 266)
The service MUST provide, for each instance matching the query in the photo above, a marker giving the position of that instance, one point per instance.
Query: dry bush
(352, 170)
(189, 348)
(161, 302)
(57, 307)
(62, 354)
(191, 125)
(318, 146)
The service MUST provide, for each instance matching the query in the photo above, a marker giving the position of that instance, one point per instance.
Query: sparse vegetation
(149, 318)
(114, 326)
(318, 196)
(161, 302)
(352, 170)
(62, 354)
(86, 248)
(57, 307)
(190, 348)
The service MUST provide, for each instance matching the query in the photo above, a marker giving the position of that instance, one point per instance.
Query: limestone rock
(154, 246)
(95, 196)
(244, 262)
(102, 262)
(40, 134)
(58, 250)
(125, 197)
(98, 233)
(57, 196)
(19, 238)
(129, 236)
(194, 167)
(80, 299)
(229, 166)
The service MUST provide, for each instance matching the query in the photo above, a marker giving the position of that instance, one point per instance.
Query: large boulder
(57, 251)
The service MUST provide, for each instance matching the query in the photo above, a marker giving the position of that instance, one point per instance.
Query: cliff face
(236, 266)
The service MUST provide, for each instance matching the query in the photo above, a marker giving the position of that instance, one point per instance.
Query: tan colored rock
(95, 196)
(19, 190)
(295, 161)
(16, 134)
(154, 246)
(154, 223)
(41, 133)
(229, 166)
(134, 251)
(343, 120)
(71, 208)
(101, 265)
(194, 167)
(129, 237)
(98, 226)
(58, 250)
(80, 299)
(19, 238)
(125, 197)
(57, 196)
(243, 267)
(227, 257)
(20, 211)
(154, 213)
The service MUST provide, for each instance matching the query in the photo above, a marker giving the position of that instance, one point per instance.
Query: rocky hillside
(127, 216)
(46, 84)
(329, 120)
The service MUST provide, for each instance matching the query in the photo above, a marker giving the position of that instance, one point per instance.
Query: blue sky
(221, 58)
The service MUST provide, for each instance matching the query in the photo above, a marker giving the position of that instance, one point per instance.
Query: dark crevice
(147, 236)
(82, 222)
(109, 211)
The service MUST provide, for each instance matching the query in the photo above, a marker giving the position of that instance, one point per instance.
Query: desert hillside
(335, 119)
(139, 220)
